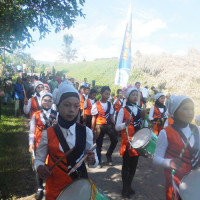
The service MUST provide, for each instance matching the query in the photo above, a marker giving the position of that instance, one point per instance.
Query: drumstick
(81, 161)
(61, 158)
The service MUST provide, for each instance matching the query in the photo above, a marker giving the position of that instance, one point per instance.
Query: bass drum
(82, 189)
(189, 187)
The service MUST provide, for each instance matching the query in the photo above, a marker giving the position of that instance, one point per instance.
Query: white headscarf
(36, 83)
(174, 102)
(64, 87)
(158, 95)
(44, 94)
(129, 90)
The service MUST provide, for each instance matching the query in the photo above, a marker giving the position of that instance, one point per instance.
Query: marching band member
(157, 113)
(87, 117)
(41, 120)
(62, 137)
(103, 123)
(34, 104)
(172, 141)
(119, 102)
(129, 116)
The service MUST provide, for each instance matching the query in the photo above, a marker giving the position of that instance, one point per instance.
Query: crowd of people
(66, 118)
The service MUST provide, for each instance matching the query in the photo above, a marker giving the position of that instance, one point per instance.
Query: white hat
(38, 83)
(44, 94)
(129, 90)
(64, 87)
(158, 95)
(174, 102)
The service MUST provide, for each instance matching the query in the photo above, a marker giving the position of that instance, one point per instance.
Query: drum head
(190, 186)
(141, 137)
(80, 189)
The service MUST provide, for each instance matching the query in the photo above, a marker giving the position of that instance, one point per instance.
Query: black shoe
(109, 159)
(39, 194)
(131, 191)
(125, 194)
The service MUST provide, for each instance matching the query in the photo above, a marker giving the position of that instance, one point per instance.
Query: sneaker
(39, 194)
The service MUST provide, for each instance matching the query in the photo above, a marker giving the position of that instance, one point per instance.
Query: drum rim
(71, 184)
(191, 171)
(147, 140)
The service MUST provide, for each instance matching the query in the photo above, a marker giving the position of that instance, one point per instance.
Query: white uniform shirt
(145, 92)
(162, 144)
(122, 102)
(27, 108)
(33, 124)
(70, 136)
(94, 110)
(120, 125)
(151, 112)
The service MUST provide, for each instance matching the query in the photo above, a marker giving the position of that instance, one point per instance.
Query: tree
(19, 17)
(68, 53)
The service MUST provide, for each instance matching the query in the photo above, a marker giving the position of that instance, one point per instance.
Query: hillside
(173, 74)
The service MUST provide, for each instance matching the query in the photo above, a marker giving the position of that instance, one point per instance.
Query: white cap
(64, 87)
(158, 95)
(38, 83)
(174, 102)
(129, 90)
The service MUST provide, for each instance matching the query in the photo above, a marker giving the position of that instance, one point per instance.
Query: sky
(169, 26)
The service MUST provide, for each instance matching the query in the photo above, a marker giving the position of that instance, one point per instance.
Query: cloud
(180, 36)
(142, 29)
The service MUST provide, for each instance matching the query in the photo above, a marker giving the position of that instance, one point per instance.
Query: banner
(124, 67)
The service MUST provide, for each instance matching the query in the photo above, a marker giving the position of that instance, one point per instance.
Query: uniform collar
(71, 129)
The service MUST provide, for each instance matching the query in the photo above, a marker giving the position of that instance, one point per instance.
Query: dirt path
(148, 182)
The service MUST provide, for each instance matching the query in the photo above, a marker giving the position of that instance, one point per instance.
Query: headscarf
(64, 90)
(127, 91)
(157, 103)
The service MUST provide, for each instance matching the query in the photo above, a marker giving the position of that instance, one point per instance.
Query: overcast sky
(170, 26)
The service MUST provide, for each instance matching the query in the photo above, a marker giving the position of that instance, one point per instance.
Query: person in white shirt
(157, 113)
(34, 103)
(61, 138)
(145, 95)
(41, 120)
(103, 123)
(178, 145)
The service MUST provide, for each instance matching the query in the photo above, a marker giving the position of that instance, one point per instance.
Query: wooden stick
(81, 161)
(61, 158)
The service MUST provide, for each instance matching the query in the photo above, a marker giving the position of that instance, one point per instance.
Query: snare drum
(144, 141)
(189, 187)
(82, 189)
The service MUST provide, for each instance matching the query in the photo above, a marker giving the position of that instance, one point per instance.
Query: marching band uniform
(171, 142)
(87, 111)
(57, 140)
(118, 104)
(157, 114)
(34, 103)
(130, 156)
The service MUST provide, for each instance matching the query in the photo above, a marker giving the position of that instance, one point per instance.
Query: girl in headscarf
(41, 120)
(62, 137)
(157, 113)
(172, 140)
(129, 116)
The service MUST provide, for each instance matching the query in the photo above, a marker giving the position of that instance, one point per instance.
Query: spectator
(145, 95)
(8, 89)
(85, 83)
(53, 84)
(19, 97)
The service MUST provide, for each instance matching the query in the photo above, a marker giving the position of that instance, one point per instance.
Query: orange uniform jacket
(118, 104)
(87, 110)
(102, 116)
(175, 146)
(124, 140)
(82, 99)
(34, 106)
(157, 114)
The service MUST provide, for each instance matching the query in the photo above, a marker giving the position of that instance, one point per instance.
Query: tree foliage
(69, 54)
(19, 17)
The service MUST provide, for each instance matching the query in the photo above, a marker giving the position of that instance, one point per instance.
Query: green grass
(14, 156)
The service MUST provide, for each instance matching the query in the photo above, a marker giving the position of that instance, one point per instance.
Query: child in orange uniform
(173, 139)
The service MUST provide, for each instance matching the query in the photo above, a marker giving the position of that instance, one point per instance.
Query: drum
(189, 187)
(82, 189)
(144, 141)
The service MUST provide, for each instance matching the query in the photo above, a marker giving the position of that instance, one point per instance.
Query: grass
(14, 156)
